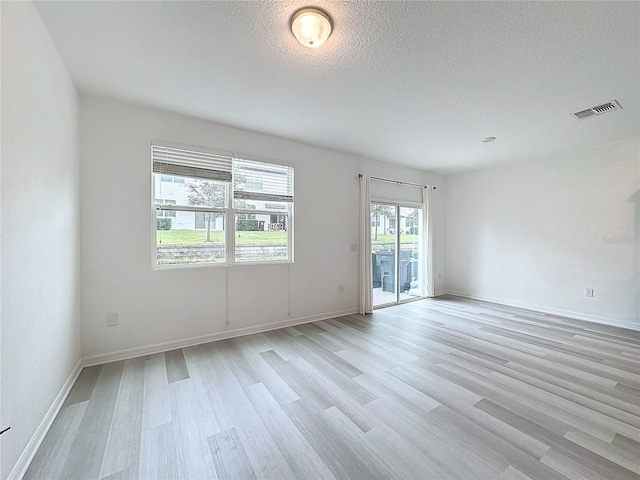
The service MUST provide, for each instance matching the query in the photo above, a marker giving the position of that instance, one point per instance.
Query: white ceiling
(413, 83)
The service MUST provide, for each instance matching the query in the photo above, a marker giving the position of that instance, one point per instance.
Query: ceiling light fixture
(311, 26)
(488, 139)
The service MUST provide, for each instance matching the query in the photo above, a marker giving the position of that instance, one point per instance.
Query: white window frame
(229, 215)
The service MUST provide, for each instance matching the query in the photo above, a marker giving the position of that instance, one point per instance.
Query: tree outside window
(211, 194)
(378, 210)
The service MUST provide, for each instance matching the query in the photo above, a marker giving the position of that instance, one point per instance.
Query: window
(203, 220)
(275, 206)
(253, 185)
(262, 235)
(247, 216)
(169, 213)
(206, 190)
(171, 178)
(165, 213)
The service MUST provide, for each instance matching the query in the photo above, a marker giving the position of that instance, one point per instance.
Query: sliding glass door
(410, 242)
(396, 233)
(383, 253)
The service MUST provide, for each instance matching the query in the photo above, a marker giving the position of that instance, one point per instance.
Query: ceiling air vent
(584, 114)
(599, 110)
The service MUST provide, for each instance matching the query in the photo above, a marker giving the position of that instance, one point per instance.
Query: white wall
(40, 343)
(538, 233)
(169, 305)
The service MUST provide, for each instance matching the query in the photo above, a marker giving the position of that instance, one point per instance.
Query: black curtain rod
(398, 182)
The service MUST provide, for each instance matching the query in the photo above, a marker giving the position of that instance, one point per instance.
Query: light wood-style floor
(436, 389)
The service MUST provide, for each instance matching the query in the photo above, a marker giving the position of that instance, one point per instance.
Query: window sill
(216, 265)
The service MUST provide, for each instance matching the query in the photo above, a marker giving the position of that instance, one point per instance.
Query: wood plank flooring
(446, 388)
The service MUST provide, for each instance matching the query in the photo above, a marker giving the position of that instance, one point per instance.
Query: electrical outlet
(588, 292)
(439, 275)
(341, 289)
(354, 247)
(112, 319)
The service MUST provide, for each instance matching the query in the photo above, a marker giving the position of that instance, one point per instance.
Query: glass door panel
(409, 231)
(384, 233)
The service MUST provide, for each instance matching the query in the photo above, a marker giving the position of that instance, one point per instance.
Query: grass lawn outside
(392, 239)
(194, 237)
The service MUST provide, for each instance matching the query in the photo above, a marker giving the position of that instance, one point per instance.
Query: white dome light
(311, 26)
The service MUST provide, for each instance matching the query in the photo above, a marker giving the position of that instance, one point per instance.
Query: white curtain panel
(426, 260)
(366, 293)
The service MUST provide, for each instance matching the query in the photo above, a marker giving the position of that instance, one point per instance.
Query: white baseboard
(21, 466)
(549, 310)
(212, 337)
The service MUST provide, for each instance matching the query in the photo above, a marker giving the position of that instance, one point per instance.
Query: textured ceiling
(413, 83)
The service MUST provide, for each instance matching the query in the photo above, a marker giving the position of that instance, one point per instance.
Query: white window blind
(391, 192)
(276, 181)
(191, 163)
